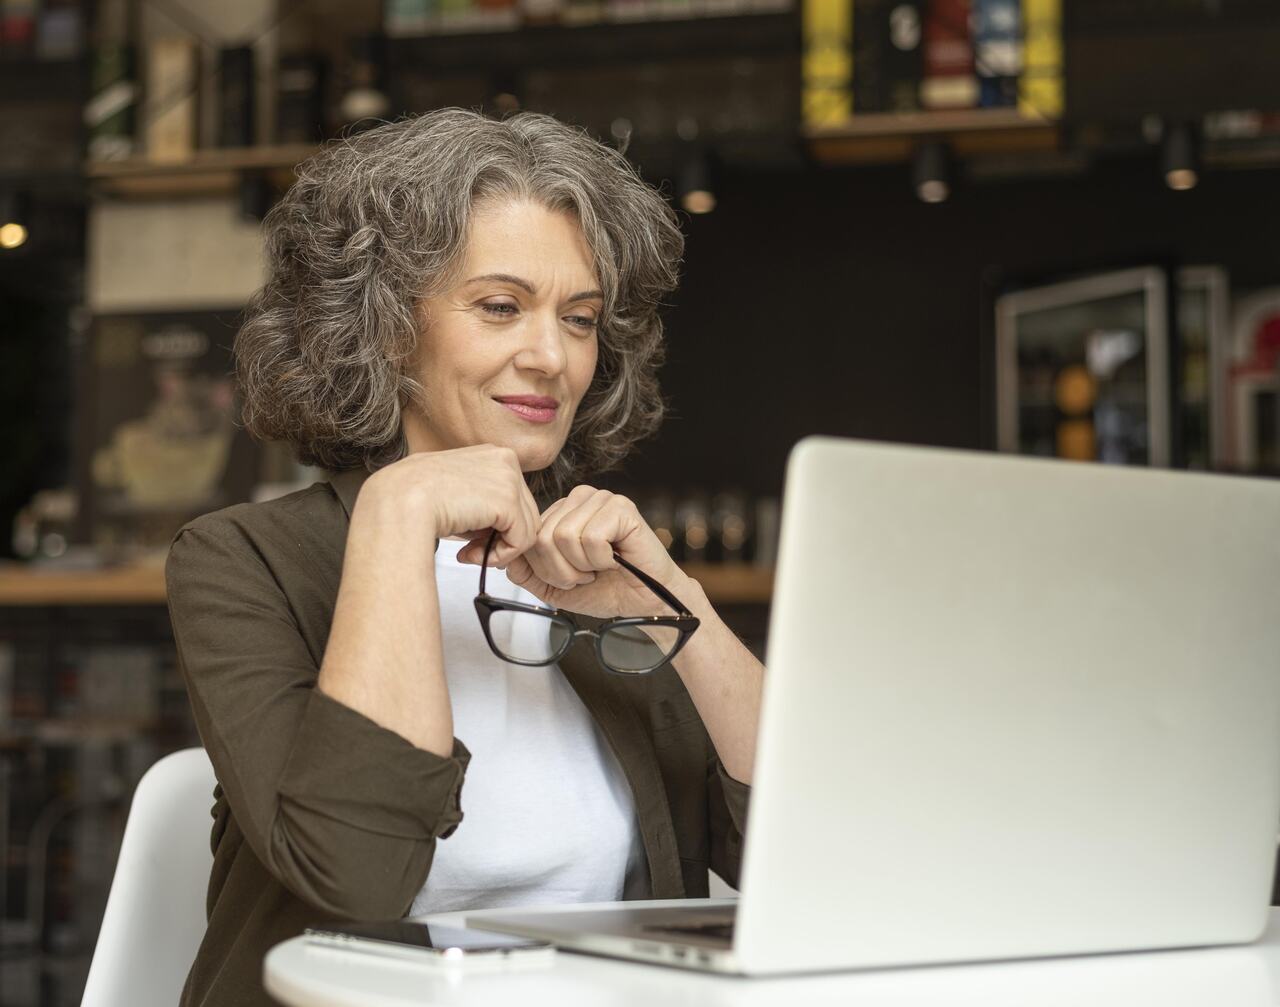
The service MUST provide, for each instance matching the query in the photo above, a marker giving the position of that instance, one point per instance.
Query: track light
(931, 172)
(13, 220)
(1180, 157)
(697, 186)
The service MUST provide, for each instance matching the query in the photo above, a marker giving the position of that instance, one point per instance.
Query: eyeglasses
(533, 635)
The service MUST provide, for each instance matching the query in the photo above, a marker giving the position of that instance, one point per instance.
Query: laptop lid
(1013, 707)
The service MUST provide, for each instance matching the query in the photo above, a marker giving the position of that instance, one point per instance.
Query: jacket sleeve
(727, 816)
(342, 811)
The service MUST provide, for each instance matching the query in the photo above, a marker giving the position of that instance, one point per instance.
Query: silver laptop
(1014, 708)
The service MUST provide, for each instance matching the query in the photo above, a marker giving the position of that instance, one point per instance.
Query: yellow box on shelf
(1040, 88)
(827, 62)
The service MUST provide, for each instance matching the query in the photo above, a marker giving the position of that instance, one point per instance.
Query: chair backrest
(155, 916)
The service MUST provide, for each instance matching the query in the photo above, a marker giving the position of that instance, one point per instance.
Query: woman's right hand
(462, 492)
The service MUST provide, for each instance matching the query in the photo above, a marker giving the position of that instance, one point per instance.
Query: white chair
(155, 917)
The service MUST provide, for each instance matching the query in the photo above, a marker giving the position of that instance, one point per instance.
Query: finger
(575, 496)
(473, 551)
(606, 528)
(517, 524)
(521, 574)
(532, 519)
(567, 534)
(547, 558)
(522, 526)
(554, 569)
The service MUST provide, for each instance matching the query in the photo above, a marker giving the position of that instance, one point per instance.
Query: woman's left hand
(571, 565)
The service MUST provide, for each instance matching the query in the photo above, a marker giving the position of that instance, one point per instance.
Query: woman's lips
(534, 408)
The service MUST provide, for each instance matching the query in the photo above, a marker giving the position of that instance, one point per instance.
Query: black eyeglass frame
(684, 622)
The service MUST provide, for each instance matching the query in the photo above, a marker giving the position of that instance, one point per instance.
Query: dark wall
(37, 296)
(835, 302)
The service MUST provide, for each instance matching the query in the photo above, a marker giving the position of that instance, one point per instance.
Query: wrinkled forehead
(523, 237)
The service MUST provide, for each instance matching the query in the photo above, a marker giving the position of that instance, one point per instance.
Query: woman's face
(507, 354)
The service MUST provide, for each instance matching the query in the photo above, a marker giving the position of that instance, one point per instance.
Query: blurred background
(1036, 226)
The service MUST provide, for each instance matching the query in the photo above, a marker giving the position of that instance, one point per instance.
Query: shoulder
(308, 522)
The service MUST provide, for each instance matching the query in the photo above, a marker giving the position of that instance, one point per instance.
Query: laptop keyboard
(720, 930)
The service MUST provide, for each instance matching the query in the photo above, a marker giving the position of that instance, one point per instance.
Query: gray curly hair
(378, 221)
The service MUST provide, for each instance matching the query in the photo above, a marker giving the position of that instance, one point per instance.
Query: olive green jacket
(322, 814)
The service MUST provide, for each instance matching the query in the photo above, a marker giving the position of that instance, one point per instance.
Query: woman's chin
(537, 456)
(535, 462)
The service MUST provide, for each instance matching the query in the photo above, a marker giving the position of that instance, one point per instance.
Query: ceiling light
(931, 172)
(13, 220)
(1180, 157)
(697, 186)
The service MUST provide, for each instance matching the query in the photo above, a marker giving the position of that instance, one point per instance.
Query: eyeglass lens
(526, 637)
(529, 638)
(636, 648)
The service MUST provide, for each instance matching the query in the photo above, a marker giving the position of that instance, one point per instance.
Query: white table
(303, 975)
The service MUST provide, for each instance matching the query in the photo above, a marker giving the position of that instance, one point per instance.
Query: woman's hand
(571, 564)
(464, 491)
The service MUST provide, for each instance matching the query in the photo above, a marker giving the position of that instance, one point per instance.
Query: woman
(460, 317)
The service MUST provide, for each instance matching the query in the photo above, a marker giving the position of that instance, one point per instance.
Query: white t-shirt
(548, 816)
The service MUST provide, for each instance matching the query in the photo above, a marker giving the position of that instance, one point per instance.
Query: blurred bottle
(408, 18)
(729, 527)
(536, 12)
(693, 528)
(17, 28)
(997, 51)
(60, 30)
(658, 511)
(42, 530)
(949, 80)
(300, 98)
(364, 102)
(768, 524)
(578, 12)
(236, 91)
(110, 115)
(500, 15)
(169, 107)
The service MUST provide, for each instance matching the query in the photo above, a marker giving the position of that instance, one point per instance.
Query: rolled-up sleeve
(727, 814)
(342, 811)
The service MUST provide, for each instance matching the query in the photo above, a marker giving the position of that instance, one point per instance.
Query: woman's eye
(498, 309)
(583, 322)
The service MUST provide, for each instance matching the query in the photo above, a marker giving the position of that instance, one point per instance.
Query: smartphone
(420, 942)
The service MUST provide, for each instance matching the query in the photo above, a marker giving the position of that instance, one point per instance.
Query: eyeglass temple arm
(654, 586)
(484, 563)
(648, 581)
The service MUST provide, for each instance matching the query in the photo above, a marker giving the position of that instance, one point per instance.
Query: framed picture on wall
(157, 441)
(1204, 348)
(1083, 369)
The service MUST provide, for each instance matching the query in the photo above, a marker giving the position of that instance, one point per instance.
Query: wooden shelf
(207, 172)
(140, 585)
(728, 585)
(884, 138)
(23, 587)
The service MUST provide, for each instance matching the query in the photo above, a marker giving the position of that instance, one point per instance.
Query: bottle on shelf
(169, 106)
(887, 47)
(110, 115)
(997, 51)
(1040, 88)
(949, 80)
(236, 90)
(300, 98)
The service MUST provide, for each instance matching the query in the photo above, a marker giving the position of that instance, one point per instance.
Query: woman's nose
(543, 348)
